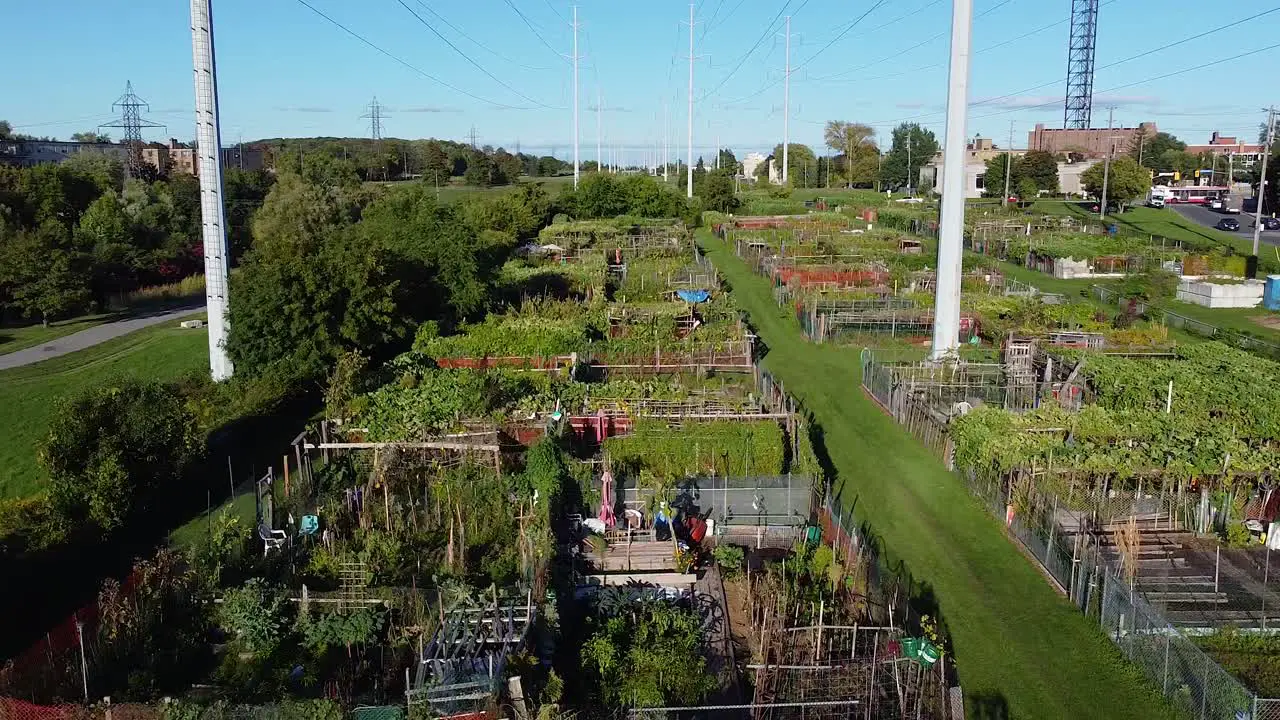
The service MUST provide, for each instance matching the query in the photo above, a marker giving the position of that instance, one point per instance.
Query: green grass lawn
(28, 395)
(1022, 651)
(25, 336)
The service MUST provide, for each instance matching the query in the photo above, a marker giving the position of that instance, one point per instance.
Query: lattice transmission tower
(375, 114)
(1080, 52)
(131, 107)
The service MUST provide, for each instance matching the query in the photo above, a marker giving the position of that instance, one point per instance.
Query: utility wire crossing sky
(308, 68)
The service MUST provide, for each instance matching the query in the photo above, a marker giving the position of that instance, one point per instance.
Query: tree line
(76, 236)
(435, 161)
(856, 159)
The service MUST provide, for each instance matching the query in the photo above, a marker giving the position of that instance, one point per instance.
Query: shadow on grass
(895, 594)
(987, 706)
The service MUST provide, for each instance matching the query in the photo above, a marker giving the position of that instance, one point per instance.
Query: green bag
(920, 650)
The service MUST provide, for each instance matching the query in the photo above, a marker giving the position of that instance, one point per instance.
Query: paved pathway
(90, 337)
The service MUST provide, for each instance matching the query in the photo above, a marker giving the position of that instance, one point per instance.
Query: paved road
(1208, 218)
(90, 337)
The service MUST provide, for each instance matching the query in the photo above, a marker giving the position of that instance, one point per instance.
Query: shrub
(730, 558)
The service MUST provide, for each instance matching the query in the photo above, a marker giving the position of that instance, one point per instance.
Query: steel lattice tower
(374, 115)
(1084, 38)
(131, 121)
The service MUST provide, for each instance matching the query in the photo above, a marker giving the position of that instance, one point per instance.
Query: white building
(751, 162)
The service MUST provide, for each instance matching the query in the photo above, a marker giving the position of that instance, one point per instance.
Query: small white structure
(751, 162)
(1247, 294)
(1068, 268)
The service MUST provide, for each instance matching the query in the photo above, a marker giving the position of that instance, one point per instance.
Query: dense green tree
(728, 161)
(90, 136)
(856, 141)
(993, 186)
(716, 192)
(6, 130)
(480, 171)
(115, 451)
(894, 169)
(1153, 149)
(1126, 180)
(437, 167)
(803, 171)
(508, 167)
(43, 275)
(1041, 168)
(1027, 189)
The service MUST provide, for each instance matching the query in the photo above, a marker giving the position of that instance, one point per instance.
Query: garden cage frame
(461, 668)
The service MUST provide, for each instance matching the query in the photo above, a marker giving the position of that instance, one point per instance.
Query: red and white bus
(1198, 195)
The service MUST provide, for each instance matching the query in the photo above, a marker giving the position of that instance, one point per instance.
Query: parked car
(1270, 223)
(1228, 224)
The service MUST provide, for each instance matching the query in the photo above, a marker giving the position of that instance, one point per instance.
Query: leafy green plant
(730, 558)
(255, 614)
(355, 627)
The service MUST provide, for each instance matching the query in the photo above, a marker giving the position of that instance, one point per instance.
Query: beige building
(1091, 143)
(1223, 146)
(180, 158)
(27, 153)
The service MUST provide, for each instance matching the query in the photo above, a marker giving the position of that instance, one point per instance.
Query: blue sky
(284, 70)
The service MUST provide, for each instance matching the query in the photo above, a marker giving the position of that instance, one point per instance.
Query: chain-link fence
(1188, 677)
(1174, 320)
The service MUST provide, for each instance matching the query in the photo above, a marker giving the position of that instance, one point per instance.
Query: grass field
(1162, 223)
(28, 395)
(22, 337)
(1021, 650)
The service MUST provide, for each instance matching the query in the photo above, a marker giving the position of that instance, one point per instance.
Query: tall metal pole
(1262, 182)
(1106, 167)
(910, 182)
(786, 109)
(209, 163)
(599, 129)
(689, 179)
(1008, 168)
(666, 139)
(946, 318)
(577, 167)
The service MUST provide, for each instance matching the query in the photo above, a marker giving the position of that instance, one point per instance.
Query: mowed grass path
(1020, 648)
(28, 395)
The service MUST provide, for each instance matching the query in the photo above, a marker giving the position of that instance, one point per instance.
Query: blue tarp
(694, 296)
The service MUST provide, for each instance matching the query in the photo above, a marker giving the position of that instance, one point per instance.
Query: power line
(931, 66)
(1143, 54)
(415, 69)
(533, 30)
(475, 42)
(557, 12)
(469, 59)
(900, 53)
(768, 30)
(728, 15)
(844, 32)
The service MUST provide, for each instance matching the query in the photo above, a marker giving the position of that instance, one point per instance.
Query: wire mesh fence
(1174, 320)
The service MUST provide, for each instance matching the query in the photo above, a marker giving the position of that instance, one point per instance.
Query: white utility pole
(910, 182)
(786, 108)
(689, 180)
(1262, 182)
(599, 129)
(209, 159)
(1008, 167)
(717, 152)
(577, 166)
(1106, 168)
(946, 317)
(666, 133)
